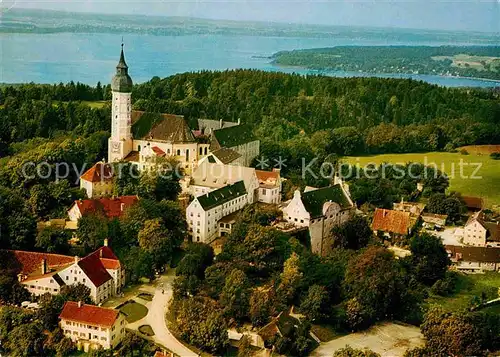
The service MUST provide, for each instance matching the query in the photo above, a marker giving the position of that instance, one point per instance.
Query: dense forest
(337, 115)
(465, 61)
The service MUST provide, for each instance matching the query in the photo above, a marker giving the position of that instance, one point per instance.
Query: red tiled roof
(391, 221)
(473, 202)
(158, 151)
(110, 263)
(94, 268)
(89, 314)
(112, 207)
(98, 173)
(267, 177)
(31, 262)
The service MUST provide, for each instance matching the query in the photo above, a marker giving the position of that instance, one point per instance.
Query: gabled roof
(473, 254)
(222, 195)
(492, 228)
(231, 137)
(94, 269)
(158, 151)
(89, 314)
(100, 172)
(94, 265)
(472, 202)
(268, 178)
(314, 200)
(391, 221)
(161, 127)
(207, 125)
(111, 207)
(30, 263)
(225, 155)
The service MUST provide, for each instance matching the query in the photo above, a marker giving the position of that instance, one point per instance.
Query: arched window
(206, 150)
(178, 153)
(201, 151)
(138, 147)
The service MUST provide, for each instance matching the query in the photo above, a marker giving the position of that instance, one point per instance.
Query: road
(156, 317)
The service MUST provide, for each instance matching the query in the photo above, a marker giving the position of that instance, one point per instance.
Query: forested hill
(373, 114)
(466, 61)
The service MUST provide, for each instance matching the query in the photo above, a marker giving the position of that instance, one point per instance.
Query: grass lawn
(483, 183)
(95, 104)
(146, 330)
(134, 311)
(467, 287)
(145, 296)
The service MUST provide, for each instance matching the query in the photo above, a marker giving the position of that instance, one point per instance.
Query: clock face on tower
(115, 147)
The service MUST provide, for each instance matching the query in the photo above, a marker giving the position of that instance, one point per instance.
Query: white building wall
(107, 337)
(474, 234)
(203, 225)
(269, 195)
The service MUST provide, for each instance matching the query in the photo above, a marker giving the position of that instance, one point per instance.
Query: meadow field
(471, 175)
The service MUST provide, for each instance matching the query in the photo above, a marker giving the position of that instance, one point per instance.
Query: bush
(464, 152)
(445, 286)
(495, 155)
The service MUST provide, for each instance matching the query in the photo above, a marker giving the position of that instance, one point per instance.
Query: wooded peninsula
(463, 61)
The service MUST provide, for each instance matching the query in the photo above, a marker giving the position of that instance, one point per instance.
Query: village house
(391, 223)
(473, 204)
(432, 220)
(205, 213)
(269, 186)
(91, 327)
(98, 180)
(212, 176)
(474, 259)
(480, 232)
(414, 208)
(319, 210)
(110, 207)
(41, 273)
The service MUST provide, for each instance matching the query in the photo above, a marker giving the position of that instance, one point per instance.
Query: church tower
(120, 142)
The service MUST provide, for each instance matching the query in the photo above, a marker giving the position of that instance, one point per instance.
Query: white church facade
(143, 137)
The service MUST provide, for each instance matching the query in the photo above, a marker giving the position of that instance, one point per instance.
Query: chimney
(76, 259)
(79, 303)
(105, 242)
(44, 266)
(220, 123)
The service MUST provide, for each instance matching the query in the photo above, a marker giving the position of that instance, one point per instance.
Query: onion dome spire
(121, 81)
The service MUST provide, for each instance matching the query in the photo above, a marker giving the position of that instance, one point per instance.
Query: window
(178, 153)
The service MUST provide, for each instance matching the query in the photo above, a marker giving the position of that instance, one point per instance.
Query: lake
(89, 58)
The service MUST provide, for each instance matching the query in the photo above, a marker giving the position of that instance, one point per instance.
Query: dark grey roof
(222, 195)
(473, 254)
(314, 200)
(208, 125)
(226, 156)
(121, 81)
(58, 280)
(231, 137)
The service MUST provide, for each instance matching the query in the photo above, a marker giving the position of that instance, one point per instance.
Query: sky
(465, 15)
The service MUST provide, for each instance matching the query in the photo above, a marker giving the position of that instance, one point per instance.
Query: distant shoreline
(387, 73)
